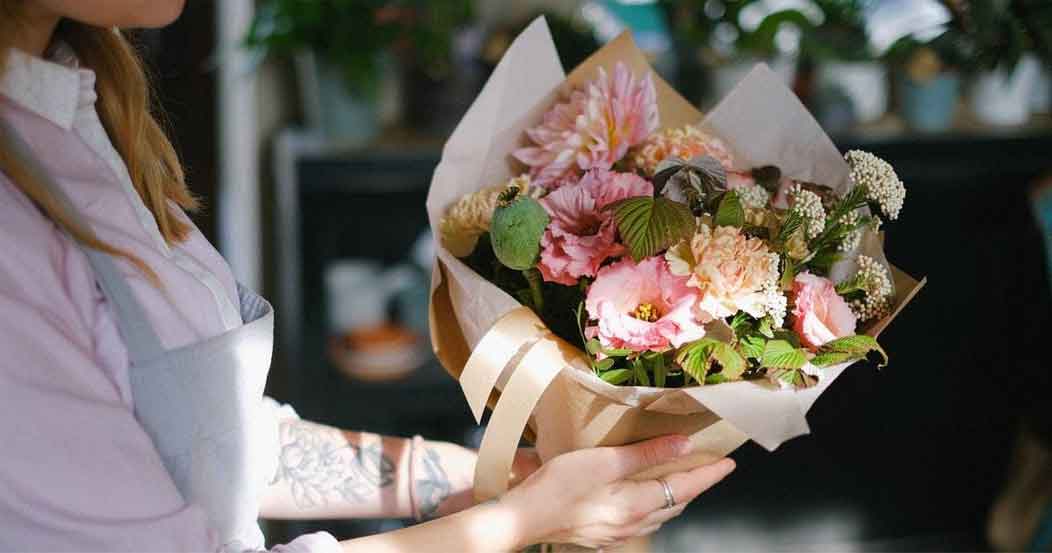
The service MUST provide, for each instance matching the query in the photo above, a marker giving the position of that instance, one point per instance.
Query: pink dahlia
(581, 234)
(821, 315)
(642, 307)
(594, 129)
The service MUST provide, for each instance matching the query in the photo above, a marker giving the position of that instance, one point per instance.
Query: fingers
(685, 486)
(631, 459)
(688, 485)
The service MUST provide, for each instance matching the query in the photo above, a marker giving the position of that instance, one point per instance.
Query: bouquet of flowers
(664, 256)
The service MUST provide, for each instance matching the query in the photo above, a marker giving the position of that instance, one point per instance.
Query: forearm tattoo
(432, 487)
(321, 467)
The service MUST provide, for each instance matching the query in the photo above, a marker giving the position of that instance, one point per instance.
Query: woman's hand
(584, 497)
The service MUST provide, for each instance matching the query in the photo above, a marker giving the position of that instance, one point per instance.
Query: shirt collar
(49, 88)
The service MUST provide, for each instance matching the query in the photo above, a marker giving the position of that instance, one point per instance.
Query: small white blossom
(775, 303)
(877, 177)
(875, 282)
(854, 237)
(809, 206)
(754, 196)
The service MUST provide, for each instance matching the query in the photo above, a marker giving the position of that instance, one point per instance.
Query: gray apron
(195, 402)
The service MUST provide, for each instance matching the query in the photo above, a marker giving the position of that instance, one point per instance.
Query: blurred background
(311, 129)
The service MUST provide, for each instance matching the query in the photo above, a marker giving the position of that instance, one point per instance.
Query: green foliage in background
(352, 33)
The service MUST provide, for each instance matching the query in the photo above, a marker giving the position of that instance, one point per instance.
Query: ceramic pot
(1004, 99)
(929, 105)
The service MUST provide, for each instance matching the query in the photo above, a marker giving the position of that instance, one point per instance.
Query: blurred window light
(608, 18)
(754, 13)
(890, 20)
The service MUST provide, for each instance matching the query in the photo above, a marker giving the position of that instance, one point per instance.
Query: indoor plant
(1009, 41)
(344, 49)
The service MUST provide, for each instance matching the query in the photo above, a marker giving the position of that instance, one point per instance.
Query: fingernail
(729, 465)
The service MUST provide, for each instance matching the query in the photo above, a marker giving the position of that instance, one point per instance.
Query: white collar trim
(50, 89)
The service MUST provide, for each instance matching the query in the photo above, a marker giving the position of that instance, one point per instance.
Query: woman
(131, 408)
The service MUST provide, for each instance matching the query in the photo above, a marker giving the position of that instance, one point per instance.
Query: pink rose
(642, 307)
(581, 234)
(821, 314)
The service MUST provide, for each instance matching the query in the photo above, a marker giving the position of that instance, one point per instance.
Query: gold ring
(670, 500)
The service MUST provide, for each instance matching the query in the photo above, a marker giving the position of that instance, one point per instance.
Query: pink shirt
(77, 472)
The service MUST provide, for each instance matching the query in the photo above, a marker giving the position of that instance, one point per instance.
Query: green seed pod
(516, 229)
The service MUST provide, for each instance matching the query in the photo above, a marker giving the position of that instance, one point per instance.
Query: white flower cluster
(775, 304)
(854, 237)
(875, 282)
(809, 206)
(878, 179)
(754, 196)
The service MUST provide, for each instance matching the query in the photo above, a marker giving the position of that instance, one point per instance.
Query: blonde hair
(124, 106)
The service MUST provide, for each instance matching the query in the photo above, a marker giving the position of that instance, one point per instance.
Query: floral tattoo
(321, 466)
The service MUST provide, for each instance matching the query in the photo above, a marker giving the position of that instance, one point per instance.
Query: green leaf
(730, 213)
(697, 357)
(792, 223)
(605, 364)
(730, 360)
(830, 358)
(616, 376)
(593, 346)
(717, 378)
(659, 368)
(740, 322)
(780, 354)
(615, 352)
(650, 225)
(859, 345)
(765, 327)
(753, 346)
(640, 372)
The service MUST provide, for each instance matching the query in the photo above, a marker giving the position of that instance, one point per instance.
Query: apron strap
(142, 342)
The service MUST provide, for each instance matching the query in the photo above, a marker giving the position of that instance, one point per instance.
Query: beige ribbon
(521, 344)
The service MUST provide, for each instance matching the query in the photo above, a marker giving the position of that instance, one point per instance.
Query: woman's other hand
(585, 497)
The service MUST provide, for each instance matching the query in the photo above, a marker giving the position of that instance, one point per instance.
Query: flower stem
(533, 277)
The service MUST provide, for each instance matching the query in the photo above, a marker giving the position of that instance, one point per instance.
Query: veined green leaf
(732, 362)
(730, 213)
(859, 345)
(740, 322)
(753, 346)
(780, 354)
(649, 225)
(765, 327)
(697, 357)
(605, 364)
(830, 358)
(616, 376)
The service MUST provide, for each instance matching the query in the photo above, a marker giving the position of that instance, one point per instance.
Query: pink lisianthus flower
(642, 307)
(581, 234)
(821, 315)
(594, 129)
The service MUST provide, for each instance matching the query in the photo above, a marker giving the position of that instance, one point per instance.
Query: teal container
(929, 106)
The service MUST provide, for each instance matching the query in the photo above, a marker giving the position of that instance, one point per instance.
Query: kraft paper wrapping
(501, 352)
